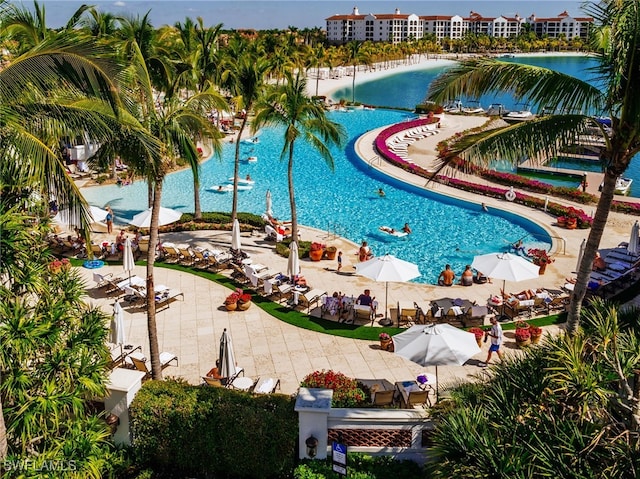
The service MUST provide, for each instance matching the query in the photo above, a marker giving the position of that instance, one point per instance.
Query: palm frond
(541, 87)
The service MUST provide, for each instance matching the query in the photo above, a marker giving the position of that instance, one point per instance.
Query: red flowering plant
(540, 256)
(244, 298)
(346, 392)
(522, 334)
(384, 337)
(477, 332)
(234, 297)
(535, 331)
(317, 246)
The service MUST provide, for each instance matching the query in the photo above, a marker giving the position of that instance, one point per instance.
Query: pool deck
(267, 347)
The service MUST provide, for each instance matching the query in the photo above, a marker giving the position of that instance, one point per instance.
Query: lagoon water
(406, 90)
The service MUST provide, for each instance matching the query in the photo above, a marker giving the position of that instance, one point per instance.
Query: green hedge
(361, 466)
(184, 430)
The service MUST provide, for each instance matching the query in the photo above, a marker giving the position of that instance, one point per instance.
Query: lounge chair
(364, 313)
(171, 254)
(266, 386)
(139, 362)
(214, 382)
(407, 313)
(309, 298)
(97, 251)
(282, 290)
(200, 261)
(119, 353)
(186, 256)
(382, 398)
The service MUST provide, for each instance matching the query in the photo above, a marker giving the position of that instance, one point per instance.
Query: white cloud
(119, 4)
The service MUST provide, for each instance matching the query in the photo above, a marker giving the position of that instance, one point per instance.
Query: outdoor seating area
(401, 394)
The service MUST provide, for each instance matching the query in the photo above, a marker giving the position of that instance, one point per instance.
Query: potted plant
(316, 251)
(231, 301)
(386, 343)
(478, 333)
(523, 337)
(330, 252)
(244, 301)
(536, 334)
(55, 266)
(541, 258)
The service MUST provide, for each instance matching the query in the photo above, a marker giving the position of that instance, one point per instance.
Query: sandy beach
(366, 74)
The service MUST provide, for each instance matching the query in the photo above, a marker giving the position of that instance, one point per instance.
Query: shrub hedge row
(183, 430)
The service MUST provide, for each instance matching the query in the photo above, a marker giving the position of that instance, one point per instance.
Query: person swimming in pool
(380, 192)
(406, 228)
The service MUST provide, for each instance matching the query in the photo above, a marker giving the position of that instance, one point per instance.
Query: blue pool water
(575, 164)
(445, 230)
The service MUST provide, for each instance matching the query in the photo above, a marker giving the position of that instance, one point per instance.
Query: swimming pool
(577, 164)
(445, 230)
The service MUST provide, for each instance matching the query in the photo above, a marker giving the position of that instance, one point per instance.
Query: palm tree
(354, 57)
(245, 79)
(616, 41)
(173, 124)
(302, 118)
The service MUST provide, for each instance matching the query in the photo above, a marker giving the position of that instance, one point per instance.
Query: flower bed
(346, 392)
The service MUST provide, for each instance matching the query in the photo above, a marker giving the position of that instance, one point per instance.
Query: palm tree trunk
(154, 351)
(353, 84)
(292, 196)
(236, 166)
(317, 79)
(149, 195)
(4, 447)
(591, 247)
(197, 210)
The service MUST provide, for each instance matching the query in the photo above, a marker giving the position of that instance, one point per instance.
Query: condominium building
(398, 27)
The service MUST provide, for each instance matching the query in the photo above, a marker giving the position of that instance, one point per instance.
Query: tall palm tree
(290, 106)
(616, 41)
(244, 77)
(354, 57)
(173, 124)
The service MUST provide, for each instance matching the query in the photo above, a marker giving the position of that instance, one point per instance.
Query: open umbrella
(436, 345)
(227, 358)
(63, 217)
(505, 266)
(388, 268)
(166, 216)
(633, 240)
(268, 211)
(235, 235)
(128, 263)
(117, 325)
(293, 263)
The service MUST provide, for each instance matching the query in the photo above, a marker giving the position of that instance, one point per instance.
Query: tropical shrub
(346, 392)
(180, 430)
(360, 466)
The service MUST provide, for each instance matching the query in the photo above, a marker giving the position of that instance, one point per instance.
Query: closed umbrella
(117, 325)
(436, 345)
(235, 235)
(165, 217)
(269, 212)
(293, 264)
(633, 240)
(128, 263)
(388, 268)
(227, 358)
(581, 253)
(505, 266)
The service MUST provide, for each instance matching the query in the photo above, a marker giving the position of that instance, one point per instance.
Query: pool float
(391, 232)
(93, 264)
(510, 195)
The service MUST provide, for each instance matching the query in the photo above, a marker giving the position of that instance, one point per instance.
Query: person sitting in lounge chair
(599, 264)
(365, 298)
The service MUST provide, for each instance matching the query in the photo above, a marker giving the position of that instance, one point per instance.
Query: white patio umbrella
(166, 217)
(581, 253)
(227, 358)
(505, 266)
(235, 235)
(117, 325)
(97, 215)
(436, 345)
(633, 240)
(388, 268)
(128, 263)
(268, 199)
(293, 263)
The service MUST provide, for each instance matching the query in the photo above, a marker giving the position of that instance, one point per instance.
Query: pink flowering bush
(346, 392)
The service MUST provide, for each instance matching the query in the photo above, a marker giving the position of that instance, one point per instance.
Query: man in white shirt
(496, 341)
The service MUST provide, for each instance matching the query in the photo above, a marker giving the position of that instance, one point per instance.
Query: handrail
(564, 242)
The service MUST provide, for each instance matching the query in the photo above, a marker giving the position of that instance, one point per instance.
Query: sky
(275, 14)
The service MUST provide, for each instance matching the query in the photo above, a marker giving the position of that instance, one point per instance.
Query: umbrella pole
(386, 302)
(437, 384)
